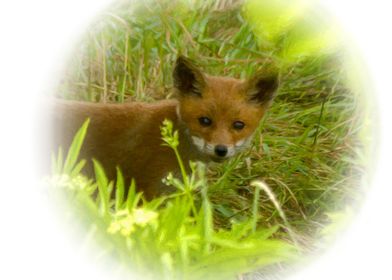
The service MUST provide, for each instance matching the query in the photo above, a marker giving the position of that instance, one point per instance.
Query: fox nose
(220, 150)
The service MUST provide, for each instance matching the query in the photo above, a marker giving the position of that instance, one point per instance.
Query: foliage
(312, 154)
(172, 236)
(282, 25)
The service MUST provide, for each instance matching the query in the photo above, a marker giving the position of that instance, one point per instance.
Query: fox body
(216, 118)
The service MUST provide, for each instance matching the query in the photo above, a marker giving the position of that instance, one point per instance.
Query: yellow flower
(126, 222)
(143, 217)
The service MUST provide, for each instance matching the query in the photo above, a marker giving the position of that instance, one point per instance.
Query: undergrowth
(171, 237)
(311, 155)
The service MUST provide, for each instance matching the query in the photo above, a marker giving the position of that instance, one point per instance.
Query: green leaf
(60, 160)
(308, 38)
(232, 261)
(78, 167)
(119, 189)
(208, 228)
(264, 234)
(133, 198)
(284, 26)
(75, 147)
(102, 187)
(269, 19)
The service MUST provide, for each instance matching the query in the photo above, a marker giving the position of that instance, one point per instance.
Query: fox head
(221, 114)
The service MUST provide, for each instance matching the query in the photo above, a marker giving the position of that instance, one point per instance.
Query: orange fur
(128, 135)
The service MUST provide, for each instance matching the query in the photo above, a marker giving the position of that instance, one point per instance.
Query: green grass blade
(75, 147)
(119, 190)
(132, 197)
(255, 209)
(102, 187)
(78, 167)
(110, 190)
(208, 228)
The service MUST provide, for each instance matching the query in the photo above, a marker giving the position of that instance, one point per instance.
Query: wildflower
(125, 223)
(143, 217)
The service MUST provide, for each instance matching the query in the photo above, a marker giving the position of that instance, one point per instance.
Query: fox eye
(238, 125)
(205, 121)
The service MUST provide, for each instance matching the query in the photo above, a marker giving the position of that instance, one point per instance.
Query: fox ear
(262, 87)
(188, 80)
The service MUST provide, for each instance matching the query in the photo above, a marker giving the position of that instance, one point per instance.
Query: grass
(171, 236)
(311, 156)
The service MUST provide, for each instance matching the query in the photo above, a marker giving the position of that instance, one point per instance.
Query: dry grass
(311, 154)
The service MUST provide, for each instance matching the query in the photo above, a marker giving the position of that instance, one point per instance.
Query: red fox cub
(215, 116)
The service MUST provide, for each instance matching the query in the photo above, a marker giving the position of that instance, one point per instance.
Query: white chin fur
(243, 143)
(199, 142)
(209, 149)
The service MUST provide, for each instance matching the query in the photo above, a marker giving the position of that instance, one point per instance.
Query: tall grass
(172, 237)
(310, 156)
